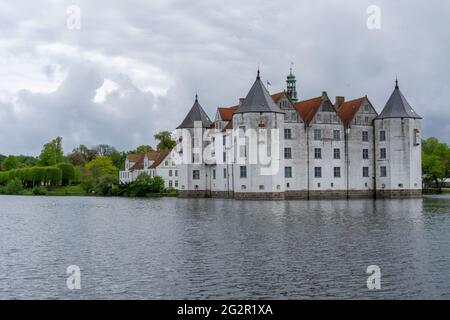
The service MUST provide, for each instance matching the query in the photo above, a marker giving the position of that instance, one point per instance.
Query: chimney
(339, 101)
(324, 95)
(241, 101)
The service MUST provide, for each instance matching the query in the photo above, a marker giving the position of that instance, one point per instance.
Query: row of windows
(336, 135)
(170, 173)
(336, 153)
(173, 183)
(288, 172)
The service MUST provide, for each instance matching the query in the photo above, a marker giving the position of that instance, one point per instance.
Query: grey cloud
(214, 48)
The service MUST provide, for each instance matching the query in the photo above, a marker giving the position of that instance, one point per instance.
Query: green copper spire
(291, 86)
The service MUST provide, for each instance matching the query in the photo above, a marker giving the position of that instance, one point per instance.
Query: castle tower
(258, 124)
(398, 153)
(291, 87)
(194, 173)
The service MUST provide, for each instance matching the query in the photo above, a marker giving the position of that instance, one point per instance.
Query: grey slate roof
(258, 100)
(195, 114)
(398, 107)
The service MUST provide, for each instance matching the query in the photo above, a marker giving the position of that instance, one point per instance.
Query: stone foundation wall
(302, 194)
(399, 194)
(296, 195)
(259, 195)
(328, 194)
(222, 194)
(193, 193)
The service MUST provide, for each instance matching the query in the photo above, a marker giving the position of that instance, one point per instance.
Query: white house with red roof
(153, 163)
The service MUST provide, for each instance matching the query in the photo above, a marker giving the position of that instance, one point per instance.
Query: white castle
(313, 149)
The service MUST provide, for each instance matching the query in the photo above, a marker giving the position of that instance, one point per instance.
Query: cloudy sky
(133, 67)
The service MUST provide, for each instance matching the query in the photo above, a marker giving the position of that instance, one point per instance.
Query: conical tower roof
(195, 114)
(258, 100)
(398, 107)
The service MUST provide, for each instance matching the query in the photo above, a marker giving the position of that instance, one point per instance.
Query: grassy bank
(75, 190)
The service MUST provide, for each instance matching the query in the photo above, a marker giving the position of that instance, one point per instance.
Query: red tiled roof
(227, 113)
(307, 109)
(348, 110)
(229, 126)
(162, 155)
(277, 96)
(138, 159)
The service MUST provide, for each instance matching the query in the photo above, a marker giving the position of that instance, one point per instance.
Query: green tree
(165, 140)
(10, 163)
(100, 166)
(107, 185)
(435, 162)
(52, 153)
(143, 149)
(68, 173)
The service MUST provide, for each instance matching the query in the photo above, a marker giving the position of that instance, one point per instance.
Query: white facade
(160, 164)
(322, 150)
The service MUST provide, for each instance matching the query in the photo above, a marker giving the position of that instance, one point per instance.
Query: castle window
(336, 135)
(224, 138)
(214, 174)
(400, 185)
(288, 185)
(365, 172)
(319, 118)
(224, 157)
(287, 153)
(243, 187)
(383, 172)
(337, 172)
(366, 108)
(170, 173)
(261, 187)
(287, 134)
(224, 173)
(317, 153)
(366, 120)
(288, 172)
(382, 135)
(318, 172)
(195, 174)
(317, 134)
(365, 153)
(365, 136)
(383, 153)
(242, 132)
(166, 163)
(170, 183)
(176, 173)
(243, 172)
(337, 153)
(176, 183)
(243, 151)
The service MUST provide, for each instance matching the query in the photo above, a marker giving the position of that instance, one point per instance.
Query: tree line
(95, 170)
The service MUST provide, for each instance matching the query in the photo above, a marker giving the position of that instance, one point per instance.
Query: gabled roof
(398, 107)
(258, 100)
(348, 110)
(138, 159)
(307, 109)
(195, 114)
(226, 114)
(277, 96)
(162, 155)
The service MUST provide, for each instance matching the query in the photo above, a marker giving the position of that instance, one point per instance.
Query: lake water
(172, 248)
